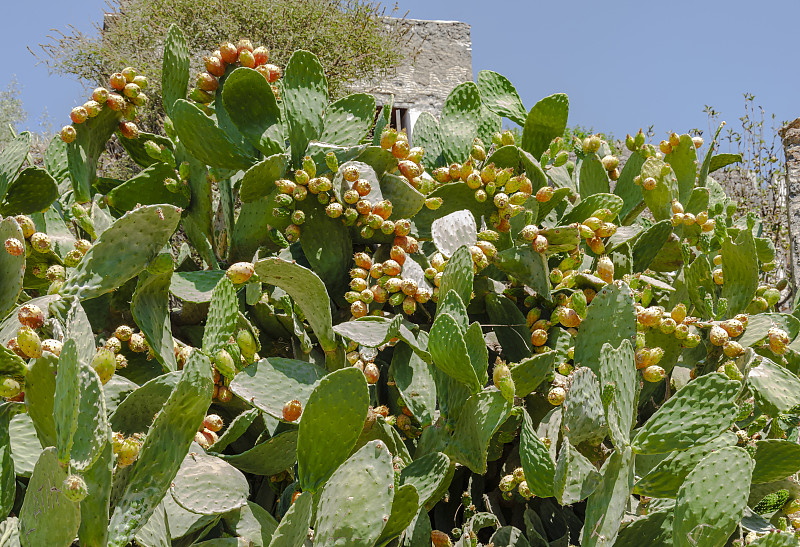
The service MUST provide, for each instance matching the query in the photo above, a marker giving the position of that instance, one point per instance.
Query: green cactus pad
(458, 275)
(205, 140)
(776, 539)
(590, 204)
(500, 96)
(654, 530)
(95, 506)
(514, 338)
(545, 121)
(305, 95)
(659, 199)
(259, 180)
(712, 499)
(146, 188)
(270, 383)
(32, 191)
(195, 287)
(618, 374)
(583, 418)
(508, 536)
(415, 380)
(536, 462)
(404, 508)
(175, 68)
(664, 480)
(252, 523)
(741, 272)
(208, 485)
(11, 160)
(449, 351)
(307, 290)
(454, 230)
(649, 243)
(529, 373)
(7, 476)
(575, 477)
(135, 413)
(775, 388)
(697, 413)
(592, 177)
(137, 151)
(66, 400)
(12, 268)
(25, 445)
(759, 325)
(478, 351)
(327, 245)
(251, 106)
(455, 196)
(683, 160)
(270, 457)
(610, 319)
(40, 387)
(347, 121)
(775, 459)
(526, 265)
(164, 448)
(55, 159)
(150, 309)
(458, 125)
(86, 149)
(625, 188)
(138, 236)
(338, 403)
(426, 135)
(222, 315)
(427, 474)
(293, 527)
(406, 200)
(606, 506)
(92, 433)
(47, 517)
(489, 124)
(482, 414)
(154, 533)
(356, 502)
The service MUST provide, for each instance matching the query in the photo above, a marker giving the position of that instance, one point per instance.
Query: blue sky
(624, 64)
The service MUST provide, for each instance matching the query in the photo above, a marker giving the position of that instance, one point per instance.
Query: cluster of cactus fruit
(456, 339)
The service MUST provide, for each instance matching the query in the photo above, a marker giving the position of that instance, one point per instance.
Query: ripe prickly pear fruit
(228, 52)
(778, 340)
(68, 134)
(540, 244)
(129, 130)
(678, 313)
(53, 346)
(440, 539)
(78, 114)
(213, 422)
(247, 59)
(610, 162)
(128, 452)
(292, 410)
(137, 343)
(372, 373)
(31, 315)
(649, 183)
(605, 269)
(556, 396)
(105, 364)
(29, 343)
(653, 373)
(117, 81)
(203, 440)
(40, 242)
(240, 272)
(717, 335)
(74, 488)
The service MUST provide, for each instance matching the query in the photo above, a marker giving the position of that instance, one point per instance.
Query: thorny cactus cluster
(281, 332)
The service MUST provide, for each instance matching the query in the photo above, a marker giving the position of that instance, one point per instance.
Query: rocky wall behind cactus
(293, 327)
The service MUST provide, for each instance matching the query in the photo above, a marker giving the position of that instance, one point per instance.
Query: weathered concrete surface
(791, 145)
(439, 58)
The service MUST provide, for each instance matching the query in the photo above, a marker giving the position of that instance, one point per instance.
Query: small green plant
(285, 330)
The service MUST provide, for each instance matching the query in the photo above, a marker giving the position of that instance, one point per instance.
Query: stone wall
(791, 144)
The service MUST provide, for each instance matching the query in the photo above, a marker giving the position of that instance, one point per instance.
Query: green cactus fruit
(247, 344)
(104, 364)
(29, 342)
(224, 363)
(74, 488)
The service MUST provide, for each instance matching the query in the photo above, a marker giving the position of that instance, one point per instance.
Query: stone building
(439, 58)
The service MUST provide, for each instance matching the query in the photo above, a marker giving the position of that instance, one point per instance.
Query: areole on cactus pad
(295, 325)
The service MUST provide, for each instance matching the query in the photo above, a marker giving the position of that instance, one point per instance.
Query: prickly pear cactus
(298, 326)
